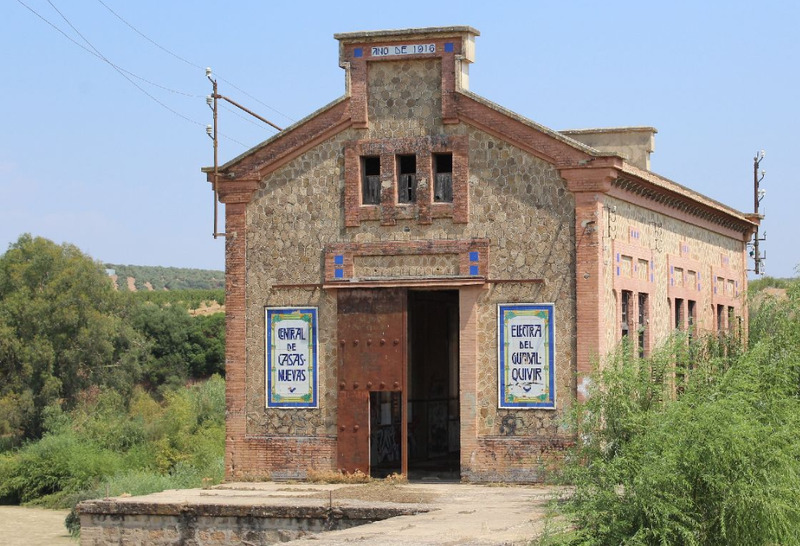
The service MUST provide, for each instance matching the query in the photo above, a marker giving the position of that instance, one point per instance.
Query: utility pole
(211, 131)
(758, 195)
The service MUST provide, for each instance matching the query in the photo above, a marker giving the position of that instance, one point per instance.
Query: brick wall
(672, 242)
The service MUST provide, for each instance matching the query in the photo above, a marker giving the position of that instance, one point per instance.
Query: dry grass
(330, 476)
(364, 488)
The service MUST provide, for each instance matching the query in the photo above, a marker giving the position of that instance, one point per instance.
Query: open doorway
(385, 447)
(433, 390)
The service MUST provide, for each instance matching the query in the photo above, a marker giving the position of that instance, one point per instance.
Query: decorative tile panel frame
(473, 256)
(526, 355)
(389, 210)
(292, 350)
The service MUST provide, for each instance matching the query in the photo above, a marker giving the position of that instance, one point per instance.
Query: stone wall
(310, 205)
(517, 201)
(404, 98)
(138, 522)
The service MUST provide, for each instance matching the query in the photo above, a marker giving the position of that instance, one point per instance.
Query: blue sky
(88, 158)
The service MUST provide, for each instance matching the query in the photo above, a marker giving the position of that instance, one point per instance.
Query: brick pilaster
(589, 186)
(468, 375)
(235, 196)
(388, 189)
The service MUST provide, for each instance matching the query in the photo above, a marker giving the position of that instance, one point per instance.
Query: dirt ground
(378, 492)
(21, 526)
(207, 308)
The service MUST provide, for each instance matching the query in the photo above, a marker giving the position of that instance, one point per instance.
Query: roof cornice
(587, 169)
(682, 206)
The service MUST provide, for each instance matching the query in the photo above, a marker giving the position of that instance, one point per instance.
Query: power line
(255, 99)
(242, 144)
(90, 52)
(124, 73)
(245, 118)
(140, 33)
(120, 72)
(143, 35)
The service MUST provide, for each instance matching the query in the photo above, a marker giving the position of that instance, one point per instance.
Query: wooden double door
(372, 358)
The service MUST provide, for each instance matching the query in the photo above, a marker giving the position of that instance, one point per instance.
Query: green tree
(180, 346)
(167, 330)
(208, 340)
(61, 331)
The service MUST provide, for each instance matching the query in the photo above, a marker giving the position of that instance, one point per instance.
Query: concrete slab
(439, 513)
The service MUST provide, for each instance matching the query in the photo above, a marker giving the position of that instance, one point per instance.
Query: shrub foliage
(60, 333)
(697, 444)
(107, 446)
(93, 382)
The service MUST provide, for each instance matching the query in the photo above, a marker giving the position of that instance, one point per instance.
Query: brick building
(419, 280)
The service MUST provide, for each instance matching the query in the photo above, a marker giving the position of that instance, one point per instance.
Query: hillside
(772, 285)
(138, 278)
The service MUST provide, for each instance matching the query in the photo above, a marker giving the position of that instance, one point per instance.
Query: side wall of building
(673, 262)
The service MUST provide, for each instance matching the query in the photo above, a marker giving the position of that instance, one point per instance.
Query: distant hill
(141, 278)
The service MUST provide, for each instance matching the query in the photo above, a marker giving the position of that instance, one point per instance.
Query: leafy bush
(56, 464)
(767, 282)
(180, 346)
(105, 446)
(64, 333)
(711, 461)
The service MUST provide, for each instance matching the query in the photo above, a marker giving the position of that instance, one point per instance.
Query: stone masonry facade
(551, 219)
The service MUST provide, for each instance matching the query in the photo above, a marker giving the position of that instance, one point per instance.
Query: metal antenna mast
(758, 195)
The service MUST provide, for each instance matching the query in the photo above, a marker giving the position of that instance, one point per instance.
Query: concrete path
(461, 514)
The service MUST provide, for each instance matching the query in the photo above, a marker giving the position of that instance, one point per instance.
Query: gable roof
(472, 109)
